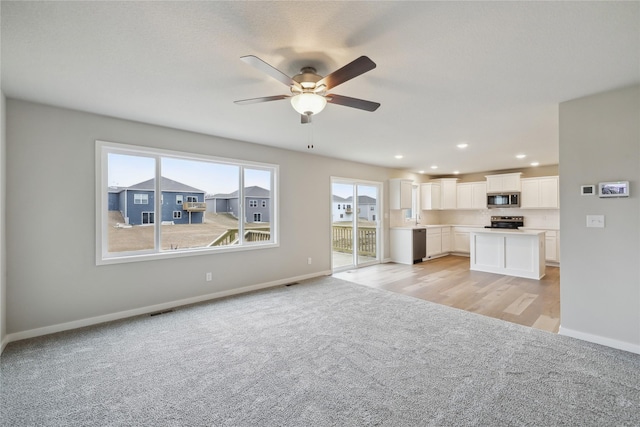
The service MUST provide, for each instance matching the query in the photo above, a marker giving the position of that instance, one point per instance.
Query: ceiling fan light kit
(308, 89)
(308, 103)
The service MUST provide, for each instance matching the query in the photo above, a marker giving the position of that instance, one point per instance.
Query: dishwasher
(419, 244)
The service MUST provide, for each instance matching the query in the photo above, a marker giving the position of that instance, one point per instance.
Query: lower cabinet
(446, 239)
(461, 240)
(434, 242)
(438, 241)
(552, 245)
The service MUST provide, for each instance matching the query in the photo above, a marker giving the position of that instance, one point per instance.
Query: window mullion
(158, 206)
(241, 207)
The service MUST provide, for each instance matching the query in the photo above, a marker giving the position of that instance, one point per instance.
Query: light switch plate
(595, 221)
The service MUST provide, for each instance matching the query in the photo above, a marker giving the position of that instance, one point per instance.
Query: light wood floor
(449, 281)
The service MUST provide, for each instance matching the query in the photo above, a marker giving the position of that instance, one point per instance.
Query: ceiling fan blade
(360, 104)
(349, 71)
(270, 70)
(305, 118)
(263, 99)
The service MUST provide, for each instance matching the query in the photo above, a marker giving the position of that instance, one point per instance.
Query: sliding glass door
(355, 223)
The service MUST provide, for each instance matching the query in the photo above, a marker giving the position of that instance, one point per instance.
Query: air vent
(160, 312)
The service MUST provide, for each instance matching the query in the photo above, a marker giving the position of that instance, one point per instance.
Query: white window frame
(413, 214)
(257, 217)
(253, 203)
(104, 257)
(179, 199)
(140, 199)
(177, 214)
(264, 203)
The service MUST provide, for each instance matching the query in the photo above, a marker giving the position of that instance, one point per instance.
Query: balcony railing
(194, 206)
(342, 240)
(230, 237)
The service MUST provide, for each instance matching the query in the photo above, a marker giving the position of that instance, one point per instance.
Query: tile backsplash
(540, 218)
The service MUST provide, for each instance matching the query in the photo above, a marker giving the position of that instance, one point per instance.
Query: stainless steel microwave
(503, 200)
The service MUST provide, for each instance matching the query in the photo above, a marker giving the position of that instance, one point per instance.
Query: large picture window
(205, 204)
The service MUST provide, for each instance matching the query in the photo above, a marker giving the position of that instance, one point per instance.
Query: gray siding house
(257, 204)
(181, 203)
(342, 208)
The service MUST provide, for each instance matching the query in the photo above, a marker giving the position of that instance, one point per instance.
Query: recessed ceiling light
(434, 167)
(462, 145)
(399, 156)
(456, 172)
(521, 156)
(420, 171)
(535, 163)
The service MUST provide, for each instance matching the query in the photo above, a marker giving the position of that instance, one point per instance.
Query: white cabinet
(478, 195)
(448, 192)
(464, 196)
(503, 182)
(518, 254)
(430, 196)
(438, 241)
(439, 194)
(401, 245)
(472, 195)
(400, 193)
(446, 239)
(434, 241)
(540, 192)
(461, 240)
(552, 245)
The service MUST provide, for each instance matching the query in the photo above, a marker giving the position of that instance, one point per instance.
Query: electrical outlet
(209, 277)
(309, 260)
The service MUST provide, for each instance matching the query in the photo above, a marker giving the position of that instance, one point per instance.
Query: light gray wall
(600, 274)
(3, 275)
(52, 276)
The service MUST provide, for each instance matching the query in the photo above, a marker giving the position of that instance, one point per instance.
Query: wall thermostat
(588, 190)
(614, 189)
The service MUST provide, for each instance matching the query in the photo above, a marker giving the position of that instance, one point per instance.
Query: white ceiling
(487, 73)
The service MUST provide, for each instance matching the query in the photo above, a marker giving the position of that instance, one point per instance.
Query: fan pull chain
(310, 136)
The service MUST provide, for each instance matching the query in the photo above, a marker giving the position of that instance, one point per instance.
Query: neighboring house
(257, 204)
(181, 203)
(342, 208)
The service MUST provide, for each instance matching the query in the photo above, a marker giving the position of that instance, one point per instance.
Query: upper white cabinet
(503, 182)
(439, 194)
(540, 192)
(400, 193)
(430, 196)
(449, 189)
(471, 195)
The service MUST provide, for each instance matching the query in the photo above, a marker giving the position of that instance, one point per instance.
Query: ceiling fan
(309, 90)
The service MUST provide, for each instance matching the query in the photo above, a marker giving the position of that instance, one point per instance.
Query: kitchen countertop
(411, 227)
(509, 231)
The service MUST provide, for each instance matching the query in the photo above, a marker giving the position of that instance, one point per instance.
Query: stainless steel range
(511, 222)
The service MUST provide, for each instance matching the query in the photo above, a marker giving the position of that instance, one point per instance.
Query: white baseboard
(75, 324)
(4, 343)
(609, 342)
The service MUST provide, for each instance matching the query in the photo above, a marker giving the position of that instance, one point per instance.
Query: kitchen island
(511, 252)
